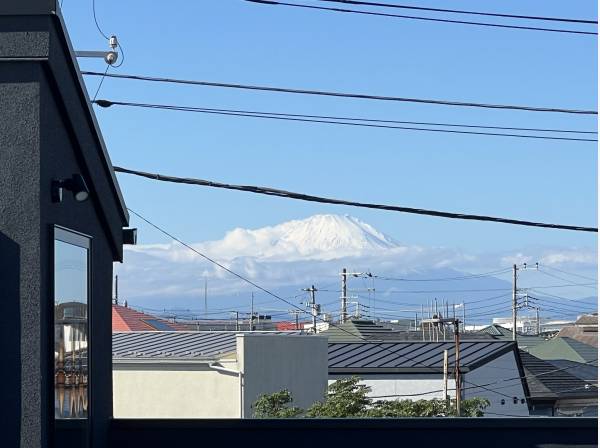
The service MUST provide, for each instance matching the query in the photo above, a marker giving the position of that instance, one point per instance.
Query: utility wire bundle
(454, 128)
(438, 19)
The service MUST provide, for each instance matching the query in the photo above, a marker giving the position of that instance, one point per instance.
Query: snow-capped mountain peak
(316, 237)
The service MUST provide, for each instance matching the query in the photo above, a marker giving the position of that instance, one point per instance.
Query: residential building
(525, 341)
(213, 374)
(558, 389)
(585, 329)
(563, 348)
(125, 318)
(362, 329)
(528, 325)
(63, 223)
(414, 370)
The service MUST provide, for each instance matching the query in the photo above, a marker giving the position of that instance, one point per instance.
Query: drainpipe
(220, 368)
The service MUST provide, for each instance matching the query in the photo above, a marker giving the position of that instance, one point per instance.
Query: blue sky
(235, 41)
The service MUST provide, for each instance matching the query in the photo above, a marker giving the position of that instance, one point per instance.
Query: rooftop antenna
(116, 289)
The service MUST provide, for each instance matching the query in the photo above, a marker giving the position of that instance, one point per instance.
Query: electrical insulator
(113, 42)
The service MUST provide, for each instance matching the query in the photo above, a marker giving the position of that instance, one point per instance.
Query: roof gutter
(238, 373)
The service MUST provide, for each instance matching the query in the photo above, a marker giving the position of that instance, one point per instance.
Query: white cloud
(310, 251)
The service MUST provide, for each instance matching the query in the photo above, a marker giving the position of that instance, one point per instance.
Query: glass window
(71, 324)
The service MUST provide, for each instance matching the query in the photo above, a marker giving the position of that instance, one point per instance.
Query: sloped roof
(360, 330)
(587, 372)
(587, 335)
(566, 348)
(587, 319)
(128, 319)
(525, 341)
(408, 357)
(546, 381)
(176, 344)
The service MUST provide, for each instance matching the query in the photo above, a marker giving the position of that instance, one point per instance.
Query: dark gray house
(62, 220)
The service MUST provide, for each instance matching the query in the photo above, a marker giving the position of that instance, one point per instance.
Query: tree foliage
(347, 398)
(276, 405)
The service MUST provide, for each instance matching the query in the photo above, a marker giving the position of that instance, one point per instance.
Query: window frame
(84, 241)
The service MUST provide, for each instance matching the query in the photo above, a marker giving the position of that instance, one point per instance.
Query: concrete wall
(271, 363)
(190, 390)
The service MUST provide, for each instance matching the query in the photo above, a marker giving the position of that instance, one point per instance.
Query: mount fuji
(287, 257)
(321, 237)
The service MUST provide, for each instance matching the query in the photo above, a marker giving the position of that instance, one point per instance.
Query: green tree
(347, 398)
(276, 405)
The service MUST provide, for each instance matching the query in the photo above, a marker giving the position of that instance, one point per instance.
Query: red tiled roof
(285, 326)
(128, 319)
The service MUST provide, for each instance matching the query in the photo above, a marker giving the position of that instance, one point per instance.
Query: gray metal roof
(374, 357)
(359, 330)
(176, 344)
(547, 381)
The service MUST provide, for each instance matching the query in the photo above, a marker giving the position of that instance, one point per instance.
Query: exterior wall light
(130, 236)
(75, 184)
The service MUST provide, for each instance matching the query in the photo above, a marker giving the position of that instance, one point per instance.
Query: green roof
(566, 348)
(525, 341)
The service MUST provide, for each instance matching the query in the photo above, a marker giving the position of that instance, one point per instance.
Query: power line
(464, 277)
(442, 291)
(571, 273)
(458, 11)
(341, 94)
(552, 295)
(558, 277)
(101, 82)
(310, 198)
(427, 19)
(369, 123)
(500, 381)
(96, 20)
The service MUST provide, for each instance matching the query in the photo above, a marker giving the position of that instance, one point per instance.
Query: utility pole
(446, 377)
(205, 298)
(514, 303)
(464, 322)
(313, 308)
(537, 319)
(457, 377)
(237, 321)
(252, 312)
(344, 313)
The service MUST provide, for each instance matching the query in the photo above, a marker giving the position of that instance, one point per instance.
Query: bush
(347, 398)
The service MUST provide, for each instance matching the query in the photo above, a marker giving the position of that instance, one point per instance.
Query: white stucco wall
(395, 386)
(191, 389)
(174, 391)
(271, 363)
